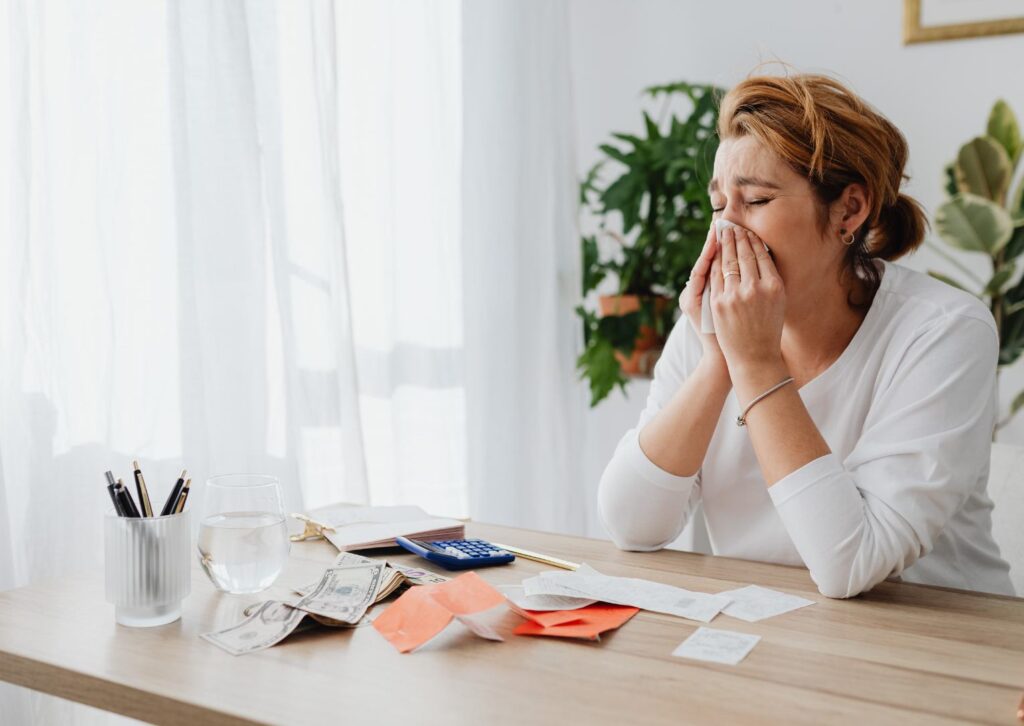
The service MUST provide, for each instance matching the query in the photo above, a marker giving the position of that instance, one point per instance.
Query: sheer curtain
(332, 241)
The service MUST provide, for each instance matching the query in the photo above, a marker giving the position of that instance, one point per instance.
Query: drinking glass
(243, 539)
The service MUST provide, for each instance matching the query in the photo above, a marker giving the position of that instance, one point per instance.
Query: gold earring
(842, 237)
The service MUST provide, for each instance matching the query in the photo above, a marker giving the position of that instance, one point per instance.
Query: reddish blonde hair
(833, 138)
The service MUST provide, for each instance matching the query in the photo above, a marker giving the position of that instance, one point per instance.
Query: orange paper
(413, 619)
(589, 622)
(547, 618)
(468, 593)
(425, 610)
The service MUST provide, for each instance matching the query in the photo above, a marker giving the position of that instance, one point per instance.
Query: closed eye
(755, 202)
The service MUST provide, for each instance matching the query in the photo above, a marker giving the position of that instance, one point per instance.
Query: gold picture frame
(914, 32)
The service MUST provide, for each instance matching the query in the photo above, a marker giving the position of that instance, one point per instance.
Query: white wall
(939, 94)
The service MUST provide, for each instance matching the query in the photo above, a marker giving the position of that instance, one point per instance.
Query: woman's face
(755, 189)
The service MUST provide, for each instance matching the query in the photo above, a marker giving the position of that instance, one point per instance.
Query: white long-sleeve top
(907, 410)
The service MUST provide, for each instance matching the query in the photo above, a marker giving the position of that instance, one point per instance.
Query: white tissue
(707, 322)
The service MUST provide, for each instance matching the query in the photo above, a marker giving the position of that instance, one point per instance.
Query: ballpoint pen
(143, 492)
(180, 505)
(125, 498)
(172, 500)
(112, 491)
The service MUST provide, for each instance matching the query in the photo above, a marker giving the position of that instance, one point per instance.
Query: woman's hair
(833, 138)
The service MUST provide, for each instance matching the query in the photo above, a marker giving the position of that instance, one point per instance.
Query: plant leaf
(947, 280)
(1018, 401)
(972, 223)
(1002, 276)
(1003, 127)
(951, 187)
(983, 168)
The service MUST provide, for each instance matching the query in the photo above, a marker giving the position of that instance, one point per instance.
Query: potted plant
(982, 217)
(651, 221)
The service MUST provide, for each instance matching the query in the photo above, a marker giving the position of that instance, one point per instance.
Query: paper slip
(518, 597)
(644, 594)
(478, 627)
(753, 603)
(717, 646)
(423, 612)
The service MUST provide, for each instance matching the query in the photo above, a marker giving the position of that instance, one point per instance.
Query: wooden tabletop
(902, 653)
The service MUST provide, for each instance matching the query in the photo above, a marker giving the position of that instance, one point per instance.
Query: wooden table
(902, 653)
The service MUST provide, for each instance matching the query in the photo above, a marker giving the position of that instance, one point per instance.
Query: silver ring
(731, 272)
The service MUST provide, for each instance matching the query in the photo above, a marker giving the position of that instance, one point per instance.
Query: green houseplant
(982, 217)
(654, 214)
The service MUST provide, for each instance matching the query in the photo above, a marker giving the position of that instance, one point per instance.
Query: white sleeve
(925, 443)
(642, 506)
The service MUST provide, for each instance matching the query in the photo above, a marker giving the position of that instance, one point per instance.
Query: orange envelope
(547, 618)
(588, 622)
(425, 610)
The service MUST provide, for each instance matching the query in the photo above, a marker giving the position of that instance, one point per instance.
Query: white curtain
(521, 255)
(331, 241)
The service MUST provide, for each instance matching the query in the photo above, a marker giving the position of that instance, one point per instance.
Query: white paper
(753, 603)
(478, 626)
(717, 646)
(707, 322)
(357, 527)
(516, 595)
(644, 594)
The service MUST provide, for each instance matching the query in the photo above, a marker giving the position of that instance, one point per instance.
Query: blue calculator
(458, 554)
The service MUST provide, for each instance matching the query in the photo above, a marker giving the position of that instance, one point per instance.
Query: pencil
(180, 506)
(173, 498)
(538, 557)
(143, 492)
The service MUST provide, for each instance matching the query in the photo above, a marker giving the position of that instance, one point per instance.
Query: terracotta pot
(649, 344)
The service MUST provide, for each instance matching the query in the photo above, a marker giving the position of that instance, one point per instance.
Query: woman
(866, 390)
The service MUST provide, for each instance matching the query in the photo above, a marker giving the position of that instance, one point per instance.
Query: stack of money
(340, 599)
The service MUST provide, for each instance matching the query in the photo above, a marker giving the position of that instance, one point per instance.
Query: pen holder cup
(148, 567)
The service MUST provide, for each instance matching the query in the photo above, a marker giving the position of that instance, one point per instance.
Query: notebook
(363, 528)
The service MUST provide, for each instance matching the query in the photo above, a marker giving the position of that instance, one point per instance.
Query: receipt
(644, 594)
(753, 603)
(717, 646)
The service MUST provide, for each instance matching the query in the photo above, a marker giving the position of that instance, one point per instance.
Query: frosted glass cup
(147, 567)
(243, 538)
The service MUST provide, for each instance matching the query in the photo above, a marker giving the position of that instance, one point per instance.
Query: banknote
(270, 624)
(343, 593)
(419, 576)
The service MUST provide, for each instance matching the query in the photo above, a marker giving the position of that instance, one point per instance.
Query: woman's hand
(749, 304)
(691, 299)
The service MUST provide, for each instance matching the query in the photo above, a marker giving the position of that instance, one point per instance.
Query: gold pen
(538, 557)
(180, 506)
(142, 491)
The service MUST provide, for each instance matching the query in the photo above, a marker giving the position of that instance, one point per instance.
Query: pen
(143, 492)
(125, 497)
(180, 506)
(173, 498)
(111, 490)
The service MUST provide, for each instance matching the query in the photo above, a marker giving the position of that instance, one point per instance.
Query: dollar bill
(343, 593)
(419, 576)
(271, 623)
